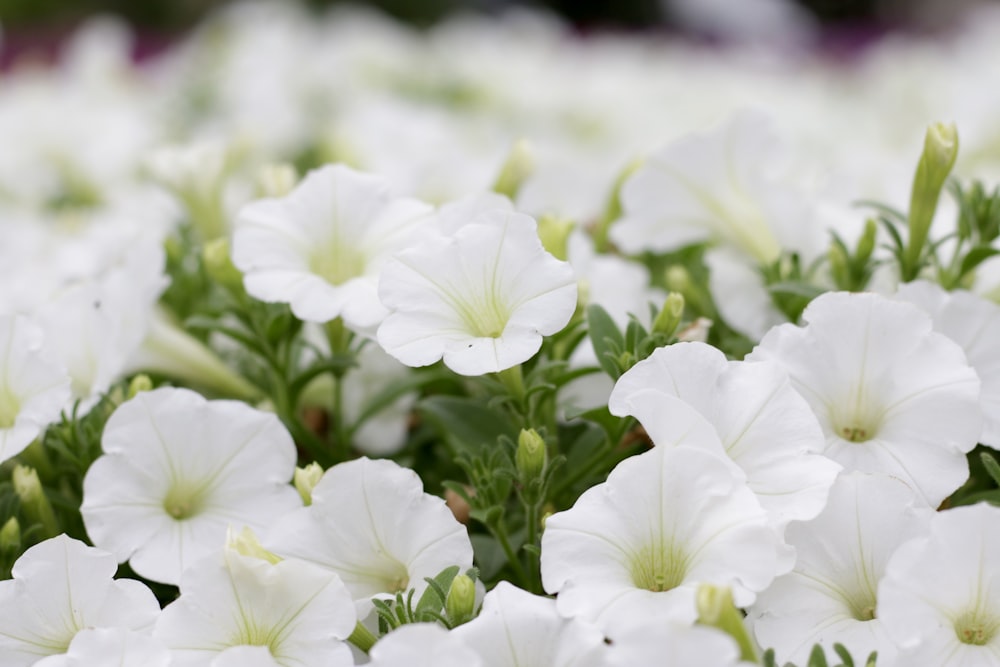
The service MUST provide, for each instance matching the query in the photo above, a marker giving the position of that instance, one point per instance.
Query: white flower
(481, 299)
(891, 395)
(724, 186)
(940, 597)
(372, 523)
(832, 594)
(973, 323)
(518, 629)
(664, 522)
(664, 642)
(176, 471)
(60, 588)
(110, 647)
(301, 614)
(320, 248)
(423, 645)
(764, 426)
(33, 389)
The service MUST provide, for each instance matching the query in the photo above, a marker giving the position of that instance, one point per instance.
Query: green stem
(500, 532)
(534, 566)
(513, 380)
(340, 344)
(362, 637)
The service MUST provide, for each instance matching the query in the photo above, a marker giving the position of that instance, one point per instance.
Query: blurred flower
(110, 647)
(423, 645)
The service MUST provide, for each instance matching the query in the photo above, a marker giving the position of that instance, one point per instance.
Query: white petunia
(891, 395)
(974, 323)
(940, 597)
(371, 523)
(110, 647)
(299, 614)
(33, 389)
(176, 471)
(653, 640)
(60, 588)
(320, 248)
(481, 299)
(518, 629)
(664, 522)
(423, 645)
(764, 426)
(832, 594)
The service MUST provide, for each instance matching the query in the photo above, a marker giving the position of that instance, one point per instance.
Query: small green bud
(275, 180)
(219, 265)
(461, 601)
(531, 456)
(678, 279)
(10, 536)
(866, 244)
(246, 543)
(716, 609)
(670, 315)
(306, 479)
(139, 384)
(518, 166)
(34, 502)
(554, 233)
(839, 266)
(940, 152)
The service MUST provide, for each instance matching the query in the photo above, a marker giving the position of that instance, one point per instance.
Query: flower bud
(306, 479)
(554, 233)
(246, 543)
(940, 152)
(216, 258)
(518, 166)
(10, 537)
(716, 609)
(460, 603)
(139, 384)
(866, 244)
(275, 180)
(34, 503)
(670, 315)
(531, 455)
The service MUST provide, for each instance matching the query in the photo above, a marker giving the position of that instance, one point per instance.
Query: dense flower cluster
(327, 342)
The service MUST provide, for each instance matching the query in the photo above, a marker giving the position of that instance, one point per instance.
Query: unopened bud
(306, 479)
(460, 603)
(670, 315)
(276, 180)
(246, 543)
(219, 265)
(554, 233)
(531, 455)
(34, 503)
(940, 152)
(678, 279)
(716, 609)
(139, 384)
(866, 244)
(10, 536)
(518, 166)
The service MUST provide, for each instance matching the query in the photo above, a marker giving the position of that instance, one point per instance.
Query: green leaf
(975, 257)
(991, 465)
(437, 591)
(466, 424)
(607, 339)
(888, 212)
(844, 654)
(796, 289)
(817, 658)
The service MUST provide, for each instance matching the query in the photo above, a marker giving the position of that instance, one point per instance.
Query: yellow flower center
(658, 567)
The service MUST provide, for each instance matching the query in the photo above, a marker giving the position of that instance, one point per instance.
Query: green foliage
(817, 658)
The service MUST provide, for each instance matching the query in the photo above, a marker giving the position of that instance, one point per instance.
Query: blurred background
(709, 17)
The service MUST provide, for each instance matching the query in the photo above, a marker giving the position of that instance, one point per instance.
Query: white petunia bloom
(764, 426)
(110, 647)
(891, 395)
(940, 597)
(296, 613)
(725, 186)
(481, 299)
(832, 594)
(320, 248)
(974, 323)
(664, 522)
(518, 629)
(176, 471)
(33, 389)
(60, 588)
(423, 645)
(371, 523)
(654, 640)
